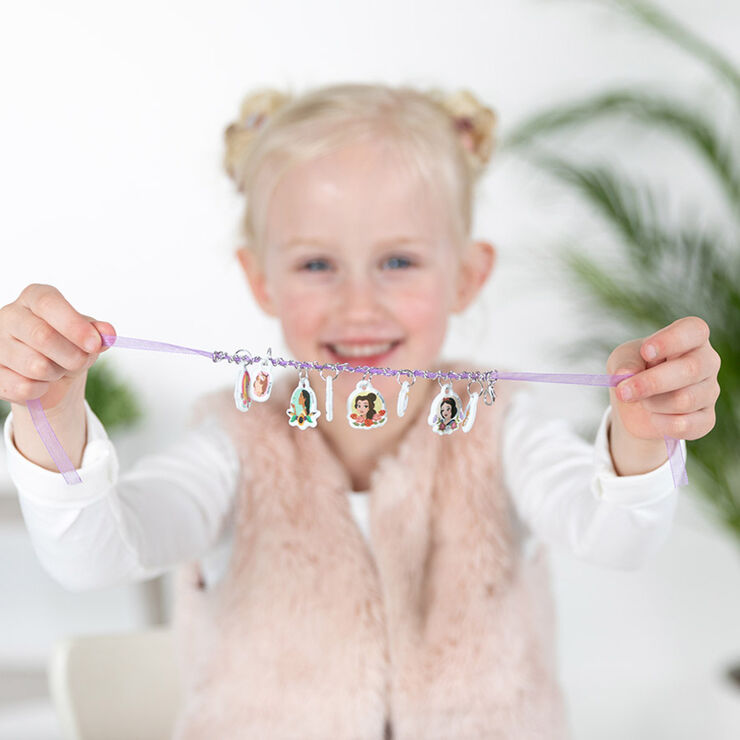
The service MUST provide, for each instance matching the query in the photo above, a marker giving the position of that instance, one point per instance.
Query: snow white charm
(365, 406)
(261, 386)
(242, 397)
(304, 410)
(445, 414)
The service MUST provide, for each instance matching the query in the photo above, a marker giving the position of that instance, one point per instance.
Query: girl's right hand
(46, 347)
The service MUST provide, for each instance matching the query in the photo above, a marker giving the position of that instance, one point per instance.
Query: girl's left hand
(674, 391)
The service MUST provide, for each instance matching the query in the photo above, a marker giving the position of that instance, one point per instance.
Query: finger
(50, 305)
(693, 367)
(28, 328)
(17, 389)
(684, 400)
(103, 327)
(675, 339)
(685, 426)
(29, 363)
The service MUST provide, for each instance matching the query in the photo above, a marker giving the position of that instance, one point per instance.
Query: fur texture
(442, 632)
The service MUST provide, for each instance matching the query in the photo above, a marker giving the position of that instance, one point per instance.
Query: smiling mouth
(356, 354)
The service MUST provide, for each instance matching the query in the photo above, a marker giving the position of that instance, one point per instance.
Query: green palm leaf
(650, 109)
(674, 31)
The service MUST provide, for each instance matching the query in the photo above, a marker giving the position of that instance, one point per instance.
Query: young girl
(335, 582)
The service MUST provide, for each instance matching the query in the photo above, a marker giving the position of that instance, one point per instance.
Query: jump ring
(238, 358)
(334, 367)
(476, 380)
(406, 372)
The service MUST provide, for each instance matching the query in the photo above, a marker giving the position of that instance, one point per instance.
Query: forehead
(362, 191)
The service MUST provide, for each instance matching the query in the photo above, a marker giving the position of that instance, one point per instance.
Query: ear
(256, 278)
(475, 268)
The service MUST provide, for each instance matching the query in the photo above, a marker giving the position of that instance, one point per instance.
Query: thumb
(103, 327)
(629, 368)
(625, 360)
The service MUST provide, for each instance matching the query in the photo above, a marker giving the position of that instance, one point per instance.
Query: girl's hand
(46, 347)
(674, 391)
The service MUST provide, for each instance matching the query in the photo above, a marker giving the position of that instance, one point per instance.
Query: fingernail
(625, 392)
(651, 352)
(91, 344)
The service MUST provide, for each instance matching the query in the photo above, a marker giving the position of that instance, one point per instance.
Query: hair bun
(474, 122)
(256, 109)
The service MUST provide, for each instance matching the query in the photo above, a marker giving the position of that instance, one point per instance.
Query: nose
(358, 297)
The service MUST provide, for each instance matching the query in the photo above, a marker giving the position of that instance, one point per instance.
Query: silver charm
(445, 414)
(329, 379)
(472, 407)
(304, 410)
(242, 396)
(261, 385)
(366, 406)
(403, 394)
(490, 393)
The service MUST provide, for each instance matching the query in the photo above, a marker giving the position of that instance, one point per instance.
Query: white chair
(115, 686)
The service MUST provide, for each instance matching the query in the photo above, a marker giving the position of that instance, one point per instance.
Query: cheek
(422, 307)
(302, 314)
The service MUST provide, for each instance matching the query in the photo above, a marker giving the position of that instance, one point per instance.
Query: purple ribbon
(67, 469)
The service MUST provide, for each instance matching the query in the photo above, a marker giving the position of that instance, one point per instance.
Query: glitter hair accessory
(366, 408)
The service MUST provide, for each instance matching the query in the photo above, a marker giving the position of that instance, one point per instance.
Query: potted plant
(668, 267)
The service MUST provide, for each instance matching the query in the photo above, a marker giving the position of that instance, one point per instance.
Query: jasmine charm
(261, 386)
(303, 411)
(445, 414)
(366, 406)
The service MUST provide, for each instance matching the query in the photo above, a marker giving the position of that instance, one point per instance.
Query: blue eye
(309, 266)
(401, 259)
(306, 266)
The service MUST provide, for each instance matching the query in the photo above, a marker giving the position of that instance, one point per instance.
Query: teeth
(361, 350)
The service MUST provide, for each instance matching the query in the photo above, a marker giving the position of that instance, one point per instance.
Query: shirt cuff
(98, 469)
(628, 490)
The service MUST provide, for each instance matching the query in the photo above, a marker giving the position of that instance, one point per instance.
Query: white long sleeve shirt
(176, 504)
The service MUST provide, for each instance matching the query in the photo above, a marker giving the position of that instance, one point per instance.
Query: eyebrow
(392, 242)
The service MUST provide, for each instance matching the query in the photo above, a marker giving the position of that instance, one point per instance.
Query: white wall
(112, 120)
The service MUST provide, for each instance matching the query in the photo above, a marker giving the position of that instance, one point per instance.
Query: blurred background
(614, 203)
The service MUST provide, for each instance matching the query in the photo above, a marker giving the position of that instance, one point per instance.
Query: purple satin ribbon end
(678, 464)
(52, 444)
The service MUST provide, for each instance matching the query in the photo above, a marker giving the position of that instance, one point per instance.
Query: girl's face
(446, 411)
(359, 251)
(362, 407)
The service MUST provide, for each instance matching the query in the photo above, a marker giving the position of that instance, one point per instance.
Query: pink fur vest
(441, 632)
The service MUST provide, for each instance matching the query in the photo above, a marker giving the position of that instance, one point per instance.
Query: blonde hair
(447, 135)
